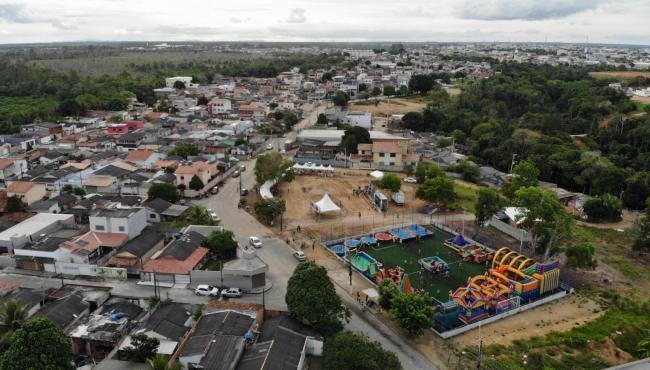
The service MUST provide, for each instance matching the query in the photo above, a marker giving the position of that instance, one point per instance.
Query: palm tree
(161, 362)
(12, 316)
(643, 347)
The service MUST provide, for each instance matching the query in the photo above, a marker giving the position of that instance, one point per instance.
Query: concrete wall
(519, 234)
(74, 269)
(216, 278)
(113, 273)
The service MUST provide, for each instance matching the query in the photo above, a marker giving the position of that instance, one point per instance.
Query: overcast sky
(598, 21)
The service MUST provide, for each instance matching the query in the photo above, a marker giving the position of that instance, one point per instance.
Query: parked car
(214, 216)
(410, 180)
(206, 290)
(269, 147)
(243, 192)
(215, 190)
(255, 242)
(231, 293)
(242, 168)
(235, 174)
(300, 256)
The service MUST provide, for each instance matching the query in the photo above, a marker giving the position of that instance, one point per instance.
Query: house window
(152, 215)
(99, 227)
(121, 228)
(392, 155)
(391, 163)
(182, 178)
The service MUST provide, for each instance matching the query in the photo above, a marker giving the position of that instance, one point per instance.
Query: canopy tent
(265, 189)
(325, 205)
(313, 167)
(377, 174)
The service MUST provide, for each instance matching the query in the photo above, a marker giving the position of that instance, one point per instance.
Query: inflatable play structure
(434, 265)
(514, 279)
(468, 250)
(365, 264)
(397, 275)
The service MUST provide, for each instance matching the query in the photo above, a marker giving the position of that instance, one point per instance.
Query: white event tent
(325, 205)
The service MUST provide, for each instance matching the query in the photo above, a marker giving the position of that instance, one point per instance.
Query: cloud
(235, 20)
(495, 10)
(14, 13)
(297, 15)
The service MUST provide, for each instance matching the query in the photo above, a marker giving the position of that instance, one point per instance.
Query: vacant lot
(623, 75)
(641, 99)
(389, 106)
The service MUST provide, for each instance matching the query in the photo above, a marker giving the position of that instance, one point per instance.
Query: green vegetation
(269, 209)
(387, 290)
(581, 256)
(164, 191)
(354, 136)
(196, 184)
(350, 351)
(340, 99)
(391, 182)
(184, 150)
(604, 207)
(413, 312)
(198, 215)
(312, 299)
(37, 344)
(489, 202)
(271, 166)
(17, 110)
(222, 245)
(15, 204)
(142, 347)
(642, 241)
(438, 191)
(161, 362)
(531, 111)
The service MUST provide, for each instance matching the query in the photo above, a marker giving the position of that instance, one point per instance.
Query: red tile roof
(20, 187)
(170, 265)
(139, 155)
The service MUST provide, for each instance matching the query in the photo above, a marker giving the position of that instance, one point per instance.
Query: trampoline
(352, 243)
(368, 240)
(339, 249)
(419, 230)
(383, 237)
(402, 234)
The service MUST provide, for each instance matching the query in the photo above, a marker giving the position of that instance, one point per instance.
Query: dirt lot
(306, 189)
(388, 107)
(641, 99)
(625, 75)
(561, 315)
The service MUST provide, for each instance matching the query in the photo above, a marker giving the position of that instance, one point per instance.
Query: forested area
(580, 133)
(30, 92)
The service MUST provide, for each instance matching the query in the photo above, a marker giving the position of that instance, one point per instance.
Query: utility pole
(512, 164)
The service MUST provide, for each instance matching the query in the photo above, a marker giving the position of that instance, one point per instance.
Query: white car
(255, 242)
(207, 290)
(214, 216)
(410, 180)
(300, 256)
(231, 293)
(269, 147)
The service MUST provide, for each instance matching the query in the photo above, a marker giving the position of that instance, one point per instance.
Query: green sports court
(406, 256)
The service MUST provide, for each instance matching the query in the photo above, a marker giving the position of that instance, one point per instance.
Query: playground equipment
(384, 237)
(365, 264)
(434, 265)
(403, 234)
(457, 243)
(475, 254)
(368, 240)
(512, 280)
(395, 274)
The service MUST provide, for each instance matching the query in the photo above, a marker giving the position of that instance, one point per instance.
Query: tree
(222, 244)
(469, 170)
(79, 191)
(408, 169)
(438, 191)
(270, 208)
(196, 184)
(387, 291)
(322, 120)
(391, 182)
(350, 351)
(38, 344)
(605, 207)
(197, 215)
(421, 172)
(15, 204)
(327, 76)
(525, 175)
(642, 240)
(202, 100)
(178, 85)
(165, 191)
(376, 91)
(341, 99)
(270, 166)
(184, 150)
(413, 312)
(581, 256)
(312, 299)
(161, 362)
(489, 202)
(12, 316)
(544, 216)
(389, 90)
(421, 84)
(142, 347)
(67, 188)
(289, 119)
(354, 136)
(643, 347)
(413, 121)
(433, 171)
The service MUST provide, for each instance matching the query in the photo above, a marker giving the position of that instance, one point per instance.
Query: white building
(170, 81)
(123, 221)
(32, 229)
(358, 118)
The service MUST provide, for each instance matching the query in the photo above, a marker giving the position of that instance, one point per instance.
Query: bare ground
(620, 74)
(388, 107)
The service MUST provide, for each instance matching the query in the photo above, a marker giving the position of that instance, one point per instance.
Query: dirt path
(561, 315)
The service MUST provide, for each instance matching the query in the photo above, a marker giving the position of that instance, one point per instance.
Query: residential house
(31, 299)
(204, 171)
(217, 341)
(33, 229)
(144, 159)
(169, 323)
(358, 118)
(130, 141)
(8, 170)
(97, 334)
(174, 263)
(123, 221)
(65, 312)
(160, 210)
(136, 252)
(219, 106)
(90, 247)
(29, 192)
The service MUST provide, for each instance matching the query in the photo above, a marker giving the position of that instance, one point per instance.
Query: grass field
(621, 75)
(406, 256)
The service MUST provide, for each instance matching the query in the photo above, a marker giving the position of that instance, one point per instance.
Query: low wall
(221, 280)
(491, 319)
(518, 234)
(115, 273)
